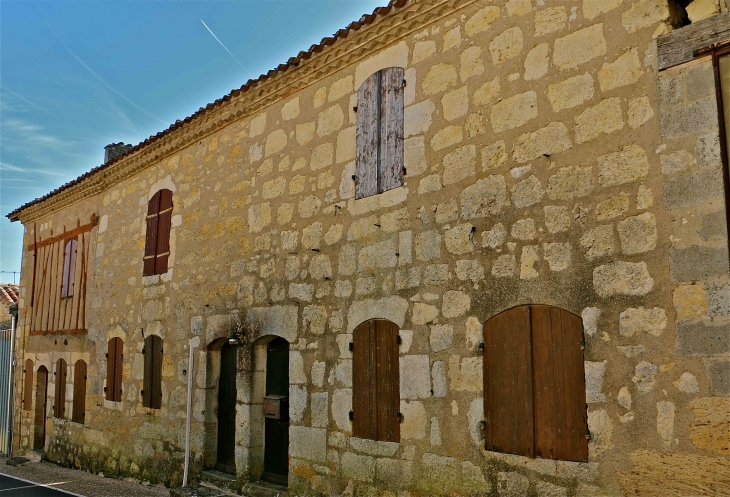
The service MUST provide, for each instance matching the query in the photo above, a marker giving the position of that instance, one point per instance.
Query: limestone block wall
(536, 172)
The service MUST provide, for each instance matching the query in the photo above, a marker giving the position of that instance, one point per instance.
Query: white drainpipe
(194, 342)
(11, 364)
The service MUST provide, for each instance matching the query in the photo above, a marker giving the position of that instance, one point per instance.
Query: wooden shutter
(59, 406)
(73, 248)
(367, 138)
(79, 404)
(508, 397)
(164, 225)
(391, 129)
(150, 245)
(115, 363)
(66, 267)
(560, 403)
(28, 386)
(376, 383)
(152, 386)
(387, 380)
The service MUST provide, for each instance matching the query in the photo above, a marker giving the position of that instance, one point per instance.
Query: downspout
(194, 342)
(11, 391)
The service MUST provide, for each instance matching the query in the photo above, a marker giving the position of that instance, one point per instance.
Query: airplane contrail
(104, 82)
(221, 43)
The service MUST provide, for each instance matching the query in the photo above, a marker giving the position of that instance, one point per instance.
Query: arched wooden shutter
(79, 404)
(69, 267)
(534, 384)
(114, 365)
(59, 406)
(157, 240)
(376, 381)
(379, 133)
(28, 386)
(152, 386)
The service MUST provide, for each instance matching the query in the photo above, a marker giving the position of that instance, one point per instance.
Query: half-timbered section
(461, 247)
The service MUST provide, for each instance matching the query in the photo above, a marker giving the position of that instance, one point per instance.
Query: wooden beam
(66, 234)
(680, 46)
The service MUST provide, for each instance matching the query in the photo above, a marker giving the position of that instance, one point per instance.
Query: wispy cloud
(221, 43)
(20, 97)
(4, 166)
(145, 111)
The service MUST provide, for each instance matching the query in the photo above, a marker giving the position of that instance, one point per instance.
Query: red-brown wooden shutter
(391, 129)
(376, 381)
(59, 406)
(66, 267)
(150, 246)
(152, 385)
(79, 403)
(28, 386)
(115, 358)
(560, 406)
(367, 138)
(508, 398)
(387, 381)
(364, 400)
(72, 266)
(164, 225)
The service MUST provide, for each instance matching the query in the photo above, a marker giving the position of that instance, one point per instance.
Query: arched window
(28, 386)
(69, 268)
(534, 384)
(152, 387)
(157, 241)
(114, 365)
(376, 382)
(379, 138)
(79, 405)
(59, 405)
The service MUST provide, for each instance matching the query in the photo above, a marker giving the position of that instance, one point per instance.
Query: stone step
(219, 479)
(36, 455)
(198, 491)
(264, 489)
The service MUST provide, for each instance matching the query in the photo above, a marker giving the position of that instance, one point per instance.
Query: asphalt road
(12, 487)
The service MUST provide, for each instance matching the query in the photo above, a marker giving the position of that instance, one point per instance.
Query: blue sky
(78, 75)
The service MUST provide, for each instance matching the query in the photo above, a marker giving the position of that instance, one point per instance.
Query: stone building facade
(549, 159)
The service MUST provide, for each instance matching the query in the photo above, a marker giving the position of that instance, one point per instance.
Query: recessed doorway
(226, 460)
(39, 418)
(276, 418)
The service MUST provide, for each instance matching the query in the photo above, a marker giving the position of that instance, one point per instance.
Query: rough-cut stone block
(527, 192)
(415, 377)
(622, 278)
(481, 20)
(446, 137)
(557, 218)
(460, 239)
(549, 140)
(624, 166)
(692, 189)
(455, 103)
(571, 92)
(550, 20)
(487, 92)
(506, 45)
(414, 420)
(441, 337)
(308, 443)
(514, 111)
(683, 264)
(640, 320)
(594, 8)
(603, 118)
(623, 71)
(439, 78)
(644, 14)
(459, 164)
(570, 182)
(557, 255)
(579, 47)
(594, 373)
(537, 62)
(417, 118)
(640, 111)
(455, 304)
(702, 339)
(638, 234)
(485, 197)
(393, 473)
(512, 484)
(612, 207)
(718, 371)
(710, 429)
(361, 468)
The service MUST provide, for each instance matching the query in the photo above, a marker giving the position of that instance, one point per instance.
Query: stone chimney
(114, 150)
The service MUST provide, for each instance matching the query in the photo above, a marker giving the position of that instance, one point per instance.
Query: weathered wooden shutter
(367, 138)
(150, 245)
(59, 406)
(391, 129)
(73, 248)
(508, 397)
(152, 385)
(115, 358)
(28, 386)
(560, 403)
(164, 225)
(66, 267)
(376, 390)
(79, 404)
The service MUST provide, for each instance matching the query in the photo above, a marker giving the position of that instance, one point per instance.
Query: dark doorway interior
(227, 411)
(39, 418)
(276, 431)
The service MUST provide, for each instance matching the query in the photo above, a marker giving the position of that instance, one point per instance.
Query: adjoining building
(458, 248)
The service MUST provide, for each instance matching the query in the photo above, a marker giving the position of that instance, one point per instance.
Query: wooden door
(276, 431)
(79, 404)
(39, 418)
(59, 405)
(227, 410)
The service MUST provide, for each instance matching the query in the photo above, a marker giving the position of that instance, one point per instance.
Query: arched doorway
(276, 417)
(39, 418)
(534, 384)
(226, 451)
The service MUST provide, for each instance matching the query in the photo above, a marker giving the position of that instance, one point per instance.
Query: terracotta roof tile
(292, 62)
(9, 293)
